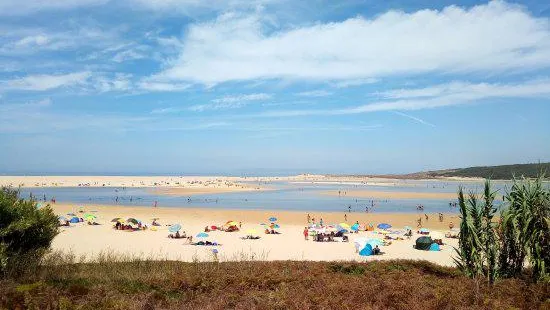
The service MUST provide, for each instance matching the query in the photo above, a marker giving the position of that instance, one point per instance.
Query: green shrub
(26, 232)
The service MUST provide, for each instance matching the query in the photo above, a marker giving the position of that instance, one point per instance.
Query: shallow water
(282, 196)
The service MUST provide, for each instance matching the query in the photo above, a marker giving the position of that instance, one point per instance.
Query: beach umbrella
(383, 226)
(117, 219)
(202, 235)
(355, 227)
(407, 227)
(74, 220)
(424, 230)
(272, 219)
(437, 235)
(231, 223)
(132, 220)
(375, 242)
(90, 217)
(344, 225)
(174, 228)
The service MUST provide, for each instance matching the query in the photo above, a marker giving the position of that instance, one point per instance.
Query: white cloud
(452, 94)
(163, 87)
(315, 93)
(493, 37)
(15, 7)
(231, 102)
(354, 82)
(120, 82)
(43, 82)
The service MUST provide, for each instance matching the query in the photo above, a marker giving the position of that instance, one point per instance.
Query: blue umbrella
(272, 219)
(375, 242)
(202, 235)
(174, 228)
(75, 220)
(383, 226)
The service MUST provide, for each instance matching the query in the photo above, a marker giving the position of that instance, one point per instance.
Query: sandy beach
(82, 239)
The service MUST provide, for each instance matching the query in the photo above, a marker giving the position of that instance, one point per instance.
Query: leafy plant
(26, 232)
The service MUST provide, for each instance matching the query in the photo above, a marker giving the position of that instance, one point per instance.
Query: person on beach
(155, 204)
(345, 217)
(321, 222)
(349, 208)
(451, 225)
(419, 222)
(306, 233)
(308, 218)
(426, 215)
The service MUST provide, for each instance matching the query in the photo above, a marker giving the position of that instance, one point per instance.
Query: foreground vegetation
(64, 283)
(490, 249)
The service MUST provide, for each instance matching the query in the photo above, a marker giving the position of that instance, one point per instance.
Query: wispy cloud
(354, 82)
(242, 47)
(414, 118)
(434, 97)
(231, 102)
(43, 82)
(315, 93)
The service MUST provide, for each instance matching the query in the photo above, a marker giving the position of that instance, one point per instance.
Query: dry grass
(69, 283)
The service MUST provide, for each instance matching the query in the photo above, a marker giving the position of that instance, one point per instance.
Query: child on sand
(306, 233)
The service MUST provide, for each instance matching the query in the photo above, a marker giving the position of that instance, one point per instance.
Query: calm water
(283, 196)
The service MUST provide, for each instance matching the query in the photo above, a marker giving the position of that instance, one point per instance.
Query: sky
(272, 86)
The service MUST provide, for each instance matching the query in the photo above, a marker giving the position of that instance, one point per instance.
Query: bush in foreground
(107, 284)
(26, 232)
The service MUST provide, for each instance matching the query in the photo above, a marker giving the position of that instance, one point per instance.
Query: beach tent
(383, 226)
(366, 251)
(360, 243)
(74, 220)
(424, 243)
(174, 228)
(355, 227)
(434, 247)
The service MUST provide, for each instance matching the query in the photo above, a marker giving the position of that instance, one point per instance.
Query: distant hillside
(503, 172)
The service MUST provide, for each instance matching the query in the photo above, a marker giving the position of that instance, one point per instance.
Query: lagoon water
(281, 196)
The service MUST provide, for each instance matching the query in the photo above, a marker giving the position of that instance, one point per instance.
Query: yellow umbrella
(231, 223)
(344, 225)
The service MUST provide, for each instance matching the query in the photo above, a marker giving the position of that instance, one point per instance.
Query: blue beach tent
(366, 251)
(434, 247)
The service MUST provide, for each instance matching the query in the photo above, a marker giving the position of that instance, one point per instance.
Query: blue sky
(272, 86)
